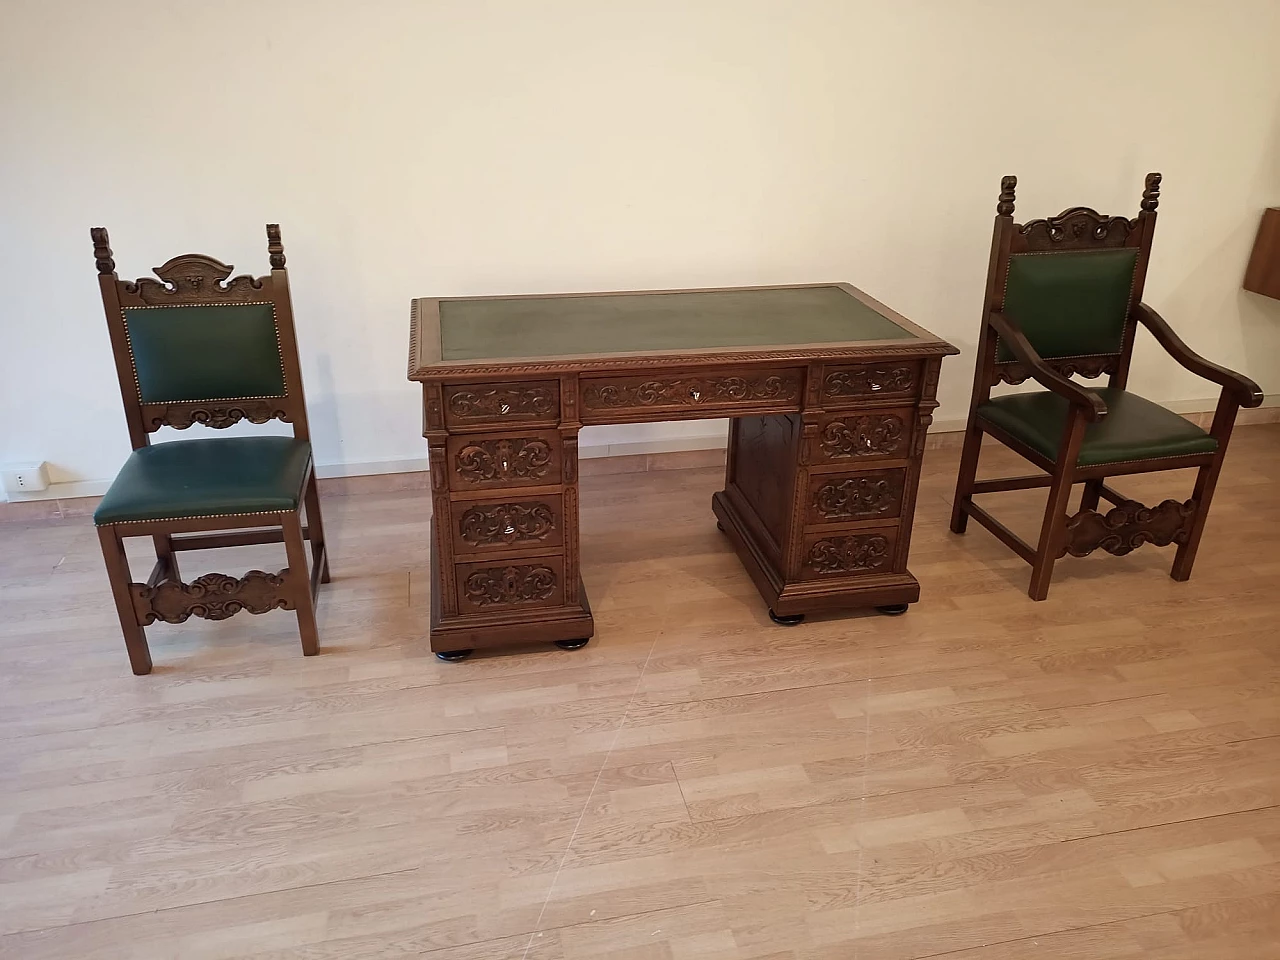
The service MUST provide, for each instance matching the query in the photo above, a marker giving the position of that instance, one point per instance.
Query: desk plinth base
(797, 597)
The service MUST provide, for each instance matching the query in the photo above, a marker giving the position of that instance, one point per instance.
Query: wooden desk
(830, 393)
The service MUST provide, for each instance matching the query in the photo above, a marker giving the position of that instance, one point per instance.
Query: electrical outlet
(24, 477)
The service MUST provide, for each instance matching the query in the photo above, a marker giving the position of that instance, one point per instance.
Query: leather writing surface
(647, 322)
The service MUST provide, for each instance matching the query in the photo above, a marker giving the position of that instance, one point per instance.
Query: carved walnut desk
(830, 393)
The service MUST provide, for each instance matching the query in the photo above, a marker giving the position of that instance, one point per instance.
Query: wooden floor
(987, 778)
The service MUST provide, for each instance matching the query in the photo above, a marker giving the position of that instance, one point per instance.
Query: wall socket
(24, 477)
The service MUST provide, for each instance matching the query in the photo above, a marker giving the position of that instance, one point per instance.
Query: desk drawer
(471, 404)
(849, 497)
(866, 435)
(495, 526)
(614, 398)
(851, 385)
(849, 554)
(493, 587)
(529, 458)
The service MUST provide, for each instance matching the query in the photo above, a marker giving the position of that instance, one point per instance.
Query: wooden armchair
(195, 347)
(1064, 299)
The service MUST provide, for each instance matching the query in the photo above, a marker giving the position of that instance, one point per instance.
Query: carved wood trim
(519, 458)
(1078, 228)
(858, 498)
(214, 596)
(510, 585)
(193, 278)
(181, 415)
(506, 523)
(1127, 527)
(873, 435)
(689, 391)
(513, 401)
(871, 380)
(858, 553)
(1088, 367)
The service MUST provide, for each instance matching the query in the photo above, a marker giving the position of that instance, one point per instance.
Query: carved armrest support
(1011, 336)
(1245, 391)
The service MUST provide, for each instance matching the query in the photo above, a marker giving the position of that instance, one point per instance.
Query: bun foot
(453, 656)
(893, 609)
(572, 644)
(786, 621)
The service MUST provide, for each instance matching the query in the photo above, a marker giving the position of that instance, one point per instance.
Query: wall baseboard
(79, 498)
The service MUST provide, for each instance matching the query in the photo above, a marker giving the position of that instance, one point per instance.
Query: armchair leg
(1092, 494)
(135, 638)
(315, 529)
(303, 596)
(1055, 512)
(1206, 481)
(964, 481)
(165, 552)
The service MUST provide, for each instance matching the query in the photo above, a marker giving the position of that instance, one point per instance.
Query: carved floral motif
(214, 596)
(1087, 367)
(506, 523)
(499, 402)
(690, 391)
(182, 415)
(514, 459)
(1078, 227)
(867, 381)
(856, 497)
(863, 436)
(853, 554)
(194, 278)
(510, 585)
(1127, 527)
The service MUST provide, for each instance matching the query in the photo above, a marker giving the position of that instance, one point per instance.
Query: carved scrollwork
(867, 381)
(503, 402)
(1077, 228)
(506, 523)
(1151, 192)
(526, 583)
(863, 436)
(1087, 367)
(690, 391)
(102, 250)
(275, 248)
(218, 416)
(1127, 527)
(214, 596)
(506, 459)
(194, 278)
(1004, 204)
(857, 498)
(858, 553)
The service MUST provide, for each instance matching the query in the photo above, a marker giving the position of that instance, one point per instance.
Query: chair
(1064, 298)
(195, 347)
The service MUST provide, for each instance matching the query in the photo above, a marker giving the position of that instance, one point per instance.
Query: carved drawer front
(858, 554)
(846, 497)
(745, 390)
(509, 523)
(854, 384)
(863, 435)
(522, 458)
(497, 586)
(533, 401)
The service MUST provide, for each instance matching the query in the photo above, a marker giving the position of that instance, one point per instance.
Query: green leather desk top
(659, 324)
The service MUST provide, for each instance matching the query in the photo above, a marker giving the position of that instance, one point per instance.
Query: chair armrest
(1012, 337)
(1246, 392)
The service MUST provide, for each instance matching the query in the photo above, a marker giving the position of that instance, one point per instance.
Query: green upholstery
(1133, 429)
(645, 322)
(204, 478)
(1070, 304)
(219, 352)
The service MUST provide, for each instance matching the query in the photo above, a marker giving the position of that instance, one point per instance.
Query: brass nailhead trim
(200, 516)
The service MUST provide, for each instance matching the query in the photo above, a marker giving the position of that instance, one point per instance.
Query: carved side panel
(193, 278)
(836, 498)
(1079, 228)
(214, 596)
(856, 554)
(441, 519)
(486, 461)
(180, 415)
(870, 382)
(467, 404)
(569, 441)
(863, 436)
(516, 524)
(486, 587)
(1127, 527)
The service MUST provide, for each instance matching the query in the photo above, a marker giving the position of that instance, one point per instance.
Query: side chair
(196, 348)
(1064, 299)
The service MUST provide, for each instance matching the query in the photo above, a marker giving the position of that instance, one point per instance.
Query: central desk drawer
(526, 458)
(617, 398)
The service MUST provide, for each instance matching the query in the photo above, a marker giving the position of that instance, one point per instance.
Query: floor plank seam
(862, 807)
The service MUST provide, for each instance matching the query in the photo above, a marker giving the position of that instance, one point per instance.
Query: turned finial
(102, 250)
(1151, 192)
(275, 248)
(1005, 207)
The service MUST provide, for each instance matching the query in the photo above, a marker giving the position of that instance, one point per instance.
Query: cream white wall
(412, 148)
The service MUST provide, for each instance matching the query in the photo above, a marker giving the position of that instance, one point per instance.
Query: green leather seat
(204, 478)
(1133, 429)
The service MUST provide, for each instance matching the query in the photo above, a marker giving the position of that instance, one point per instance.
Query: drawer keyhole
(508, 529)
(505, 408)
(695, 394)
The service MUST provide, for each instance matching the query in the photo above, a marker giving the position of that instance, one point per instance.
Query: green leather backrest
(1070, 304)
(216, 352)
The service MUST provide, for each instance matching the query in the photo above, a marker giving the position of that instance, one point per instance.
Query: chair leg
(1092, 494)
(1055, 511)
(135, 638)
(1206, 481)
(303, 597)
(964, 481)
(165, 552)
(315, 529)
